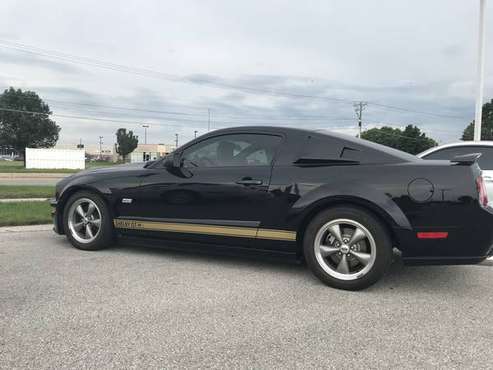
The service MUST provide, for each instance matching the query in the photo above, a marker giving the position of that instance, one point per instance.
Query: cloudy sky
(102, 65)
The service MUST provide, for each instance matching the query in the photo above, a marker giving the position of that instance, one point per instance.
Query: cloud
(19, 58)
(411, 55)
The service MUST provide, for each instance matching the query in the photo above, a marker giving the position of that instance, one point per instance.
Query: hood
(90, 175)
(112, 169)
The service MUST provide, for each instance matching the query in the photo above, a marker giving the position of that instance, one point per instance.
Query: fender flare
(367, 197)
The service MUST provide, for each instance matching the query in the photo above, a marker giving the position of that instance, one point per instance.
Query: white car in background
(449, 151)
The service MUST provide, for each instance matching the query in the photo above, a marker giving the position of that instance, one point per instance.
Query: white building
(106, 151)
(150, 152)
(43, 158)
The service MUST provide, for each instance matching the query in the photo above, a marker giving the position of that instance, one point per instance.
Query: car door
(485, 162)
(217, 194)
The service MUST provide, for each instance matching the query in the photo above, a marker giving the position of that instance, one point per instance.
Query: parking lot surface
(135, 307)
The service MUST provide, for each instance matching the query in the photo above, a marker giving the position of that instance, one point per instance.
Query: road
(133, 307)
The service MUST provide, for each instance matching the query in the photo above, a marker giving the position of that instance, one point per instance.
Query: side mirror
(176, 160)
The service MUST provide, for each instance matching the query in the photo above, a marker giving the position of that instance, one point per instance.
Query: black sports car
(339, 202)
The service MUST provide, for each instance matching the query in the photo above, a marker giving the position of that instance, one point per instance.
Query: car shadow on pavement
(443, 279)
(399, 276)
(221, 258)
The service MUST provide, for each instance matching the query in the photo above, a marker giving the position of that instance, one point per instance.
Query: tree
(126, 142)
(410, 140)
(26, 130)
(486, 124)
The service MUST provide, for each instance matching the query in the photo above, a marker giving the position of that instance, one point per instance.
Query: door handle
(249, 181)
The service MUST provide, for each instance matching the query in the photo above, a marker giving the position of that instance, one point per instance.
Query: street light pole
(145, 133)
(100, 147)
(480, 77)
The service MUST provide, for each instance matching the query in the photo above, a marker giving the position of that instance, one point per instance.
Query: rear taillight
(483, 196)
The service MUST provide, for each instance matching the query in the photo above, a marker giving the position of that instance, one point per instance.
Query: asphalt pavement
(135, 307)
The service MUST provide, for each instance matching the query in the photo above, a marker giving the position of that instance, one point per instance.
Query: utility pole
(145, 133)
(480, 78)
(100, 147)
(209, 120)
(358, 108)
(195, 134)
(176, 141)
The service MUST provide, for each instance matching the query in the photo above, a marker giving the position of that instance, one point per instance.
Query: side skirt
(210, 249)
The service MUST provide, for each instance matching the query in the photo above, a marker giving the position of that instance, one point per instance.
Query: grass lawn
(25, 213)
(26, 191)
(18, 166)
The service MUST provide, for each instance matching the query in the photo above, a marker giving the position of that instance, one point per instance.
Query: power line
(72, 116)
(92, 118)
(195, 80)
(400, 109)
(242, 117)
(166, 124)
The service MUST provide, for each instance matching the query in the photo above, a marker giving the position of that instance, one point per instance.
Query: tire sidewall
(105, 236)
(383, 248)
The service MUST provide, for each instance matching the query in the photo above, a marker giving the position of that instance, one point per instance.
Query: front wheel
(87, 222)
(347, 248)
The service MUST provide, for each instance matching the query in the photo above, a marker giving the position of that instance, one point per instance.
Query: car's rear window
(327, 144)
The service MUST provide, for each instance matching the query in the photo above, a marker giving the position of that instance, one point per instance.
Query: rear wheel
(347, 248)
(87, 221)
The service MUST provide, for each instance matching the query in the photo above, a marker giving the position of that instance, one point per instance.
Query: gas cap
(420, 190)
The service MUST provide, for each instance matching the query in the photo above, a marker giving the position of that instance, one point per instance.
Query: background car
(485, 162)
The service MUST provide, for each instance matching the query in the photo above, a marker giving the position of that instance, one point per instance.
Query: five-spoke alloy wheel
(347, 248)
(87, 222)
(84, 220)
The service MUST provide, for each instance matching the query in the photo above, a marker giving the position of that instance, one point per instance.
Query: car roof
(457, 144)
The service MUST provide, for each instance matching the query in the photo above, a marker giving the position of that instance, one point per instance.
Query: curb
(33, 175)
(24, 229)
(16, 200)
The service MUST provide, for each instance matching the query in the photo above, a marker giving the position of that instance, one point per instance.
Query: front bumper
(57, 227)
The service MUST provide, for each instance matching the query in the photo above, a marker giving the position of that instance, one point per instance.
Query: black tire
(382, 248)
(104, 237)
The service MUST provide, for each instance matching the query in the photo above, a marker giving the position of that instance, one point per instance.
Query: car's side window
(485, 161)
(232, 150)
(449, 153)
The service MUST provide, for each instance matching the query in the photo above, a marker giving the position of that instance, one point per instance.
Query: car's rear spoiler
(466, 159)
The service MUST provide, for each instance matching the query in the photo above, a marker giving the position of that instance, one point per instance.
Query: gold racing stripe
(276, 234)
(233, 231)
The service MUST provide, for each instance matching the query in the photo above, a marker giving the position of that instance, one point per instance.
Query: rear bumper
(56, 217)
(468, 244)
(416, 261)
